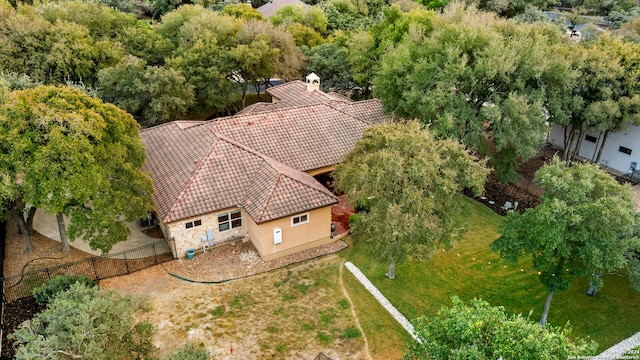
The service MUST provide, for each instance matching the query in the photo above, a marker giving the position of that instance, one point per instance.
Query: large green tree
(153, 94)
(473, 77)
(412, 182)
(480, 331)
(85, 322)
(72, 154)
(587, 225)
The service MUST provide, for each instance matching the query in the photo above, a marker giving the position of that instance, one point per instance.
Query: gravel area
(237, 260)
(381, 299)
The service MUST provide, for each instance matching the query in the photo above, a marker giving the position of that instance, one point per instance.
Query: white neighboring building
(621, 149)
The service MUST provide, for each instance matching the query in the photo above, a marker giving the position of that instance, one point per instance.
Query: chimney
(313, 82)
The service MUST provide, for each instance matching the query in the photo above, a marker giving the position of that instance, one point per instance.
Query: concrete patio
(47, 225)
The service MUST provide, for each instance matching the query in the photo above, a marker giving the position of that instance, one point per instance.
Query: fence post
(155, 255)
(95, 269)
(126, 262)
(48, 274)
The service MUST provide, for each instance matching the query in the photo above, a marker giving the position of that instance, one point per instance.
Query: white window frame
(230, 220)
(299, 217)
(191, 224)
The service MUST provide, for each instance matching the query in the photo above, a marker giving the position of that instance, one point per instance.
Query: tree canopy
(86, 322)
(69, 153)
(412, 183)
(476, 78)
(587, 225)
(480, 331)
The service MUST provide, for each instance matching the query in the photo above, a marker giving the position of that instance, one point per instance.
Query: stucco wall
(611, 156)
(191, 238)
(314, 233)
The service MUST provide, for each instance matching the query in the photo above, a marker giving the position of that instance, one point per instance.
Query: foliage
(473, 77)
(74, 154)
(47, 292)
(309, 16)
(617, 18)
(328, 62)
(413, 181)
(85, 321)
(512, 8)
(242, 11)
(480, 331)
(605, 95)
(187, 352)
(161, 7)
(152, 94)
(304, 35)
(585, 226)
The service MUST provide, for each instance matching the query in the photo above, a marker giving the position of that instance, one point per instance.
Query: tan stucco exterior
(182, 238)
(295, 238)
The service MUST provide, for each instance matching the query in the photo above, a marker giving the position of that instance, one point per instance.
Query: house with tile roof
(254, 176)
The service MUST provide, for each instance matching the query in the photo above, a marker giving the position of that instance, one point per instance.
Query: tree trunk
(576, 151)
(604, 140)
(23, 229)
(594, 284)
(63, 232)
(545, 312)
(568, 148)
(392, 270)
(391, 274)
(29, 222)
(595, 149)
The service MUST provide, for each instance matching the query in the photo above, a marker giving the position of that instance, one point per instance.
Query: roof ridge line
(184, 190)
(270, 197)
(355, 117)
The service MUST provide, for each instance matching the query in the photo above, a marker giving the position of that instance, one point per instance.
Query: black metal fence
(97, 268)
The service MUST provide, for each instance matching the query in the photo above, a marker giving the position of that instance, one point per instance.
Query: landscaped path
(355, 316)
(381, 299)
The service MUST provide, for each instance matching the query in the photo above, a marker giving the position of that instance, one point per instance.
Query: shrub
(350, 332)
(58, 284)
(187, 352)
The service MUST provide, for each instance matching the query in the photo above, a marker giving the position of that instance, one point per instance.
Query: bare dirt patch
(46, 252)
(291, 313)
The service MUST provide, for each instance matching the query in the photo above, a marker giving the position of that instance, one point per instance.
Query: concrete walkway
(381, 299)
(47, 225)
(619, 350)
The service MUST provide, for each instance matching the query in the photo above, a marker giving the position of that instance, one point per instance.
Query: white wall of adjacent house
(621, 149)
(189, 233)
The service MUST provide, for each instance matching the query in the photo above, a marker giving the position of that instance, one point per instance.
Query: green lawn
(472, 270)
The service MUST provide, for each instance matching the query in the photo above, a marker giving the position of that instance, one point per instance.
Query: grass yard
(290, 313)
(472, 270)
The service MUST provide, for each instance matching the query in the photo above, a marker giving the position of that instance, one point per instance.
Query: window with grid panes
(229, 220)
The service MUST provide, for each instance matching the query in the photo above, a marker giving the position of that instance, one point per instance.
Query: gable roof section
(305, 137)
(282, 191)
(173, 156)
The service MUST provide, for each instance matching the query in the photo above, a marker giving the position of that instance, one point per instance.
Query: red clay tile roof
(305, 137)
(256, 159)
(367, 110)
(294, 93)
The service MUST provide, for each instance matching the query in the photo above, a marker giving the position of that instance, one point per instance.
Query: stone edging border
(381, 299)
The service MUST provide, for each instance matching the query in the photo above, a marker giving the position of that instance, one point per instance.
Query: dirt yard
(290, 313)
